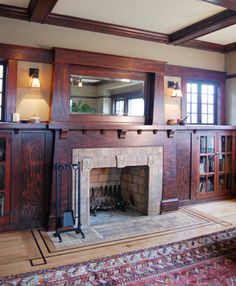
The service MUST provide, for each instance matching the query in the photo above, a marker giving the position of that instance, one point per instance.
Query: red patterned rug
(205, 260)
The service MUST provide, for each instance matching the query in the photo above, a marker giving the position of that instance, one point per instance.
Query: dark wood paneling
(184, 165)
(22, 53)
(158, 103)
(110, 66)
(229, 4)
(40, 9)
(10, 98)
(75, 57)
(60, 103)
(32, 172)
(31, 161)
(206, 26)
(194, 73)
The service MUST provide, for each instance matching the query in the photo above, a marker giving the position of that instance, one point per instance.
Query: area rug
(204, 260)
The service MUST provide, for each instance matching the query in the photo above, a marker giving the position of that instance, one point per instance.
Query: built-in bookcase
(216, 168)
(4, 177)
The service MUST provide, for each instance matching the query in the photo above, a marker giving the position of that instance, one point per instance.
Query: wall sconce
(80, 83)
(176, 91)
(34, 78)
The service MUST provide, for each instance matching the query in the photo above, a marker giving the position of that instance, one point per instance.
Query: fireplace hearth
(137, 171)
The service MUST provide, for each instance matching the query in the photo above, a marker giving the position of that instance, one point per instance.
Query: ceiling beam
(201, 28)
(40, 9)
(13, 12)
(230, 47)
(116, 30)
(206, 46)
(229, 4)
(106, 28)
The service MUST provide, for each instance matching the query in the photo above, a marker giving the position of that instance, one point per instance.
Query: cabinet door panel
(32, 172)
(216, 171)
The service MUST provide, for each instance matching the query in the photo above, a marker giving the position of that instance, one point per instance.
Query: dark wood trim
(14, 12)
(201, 28)
(23, 53)
(229, 4)
(230, 47)
(75, 57)
(95, 126)
(206, 46)
(40, 9)
(229, 76)
(158, 102)
(60, 101)
(10, 96)
(107, 28)
(194, 73)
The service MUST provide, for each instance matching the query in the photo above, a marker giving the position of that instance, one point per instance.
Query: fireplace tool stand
(68, 216)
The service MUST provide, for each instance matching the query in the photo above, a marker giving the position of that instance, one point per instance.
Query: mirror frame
(111, 73)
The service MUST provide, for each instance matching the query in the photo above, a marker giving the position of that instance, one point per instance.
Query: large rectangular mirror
(106, 96)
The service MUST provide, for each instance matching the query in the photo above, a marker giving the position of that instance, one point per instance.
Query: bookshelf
(216, 168)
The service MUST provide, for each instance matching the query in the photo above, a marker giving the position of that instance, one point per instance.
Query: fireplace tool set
(67, 199)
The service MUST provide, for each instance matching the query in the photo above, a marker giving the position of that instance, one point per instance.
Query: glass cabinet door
(207, 165)
(217, 175)
(225, 173)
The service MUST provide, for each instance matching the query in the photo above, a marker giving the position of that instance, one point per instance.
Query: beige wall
(230, 67)
(45, 36)
(172, 104)
(33, 101)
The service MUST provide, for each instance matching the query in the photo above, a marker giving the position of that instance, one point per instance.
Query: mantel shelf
(137, 128)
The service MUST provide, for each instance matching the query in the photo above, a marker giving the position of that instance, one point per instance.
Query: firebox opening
(118, 194)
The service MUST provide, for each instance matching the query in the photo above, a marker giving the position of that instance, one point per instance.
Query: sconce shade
(80, 83)
(34, 78)
(176, 91)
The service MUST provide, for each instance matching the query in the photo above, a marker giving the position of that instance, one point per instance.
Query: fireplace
(138, 171)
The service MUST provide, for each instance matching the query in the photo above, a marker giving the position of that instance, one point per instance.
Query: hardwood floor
(32, 250)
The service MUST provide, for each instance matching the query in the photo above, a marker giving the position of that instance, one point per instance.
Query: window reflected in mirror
(106, 96)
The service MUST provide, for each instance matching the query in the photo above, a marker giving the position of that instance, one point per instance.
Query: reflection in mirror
(106, 96)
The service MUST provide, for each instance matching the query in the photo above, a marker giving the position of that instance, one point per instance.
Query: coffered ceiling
(203, 24)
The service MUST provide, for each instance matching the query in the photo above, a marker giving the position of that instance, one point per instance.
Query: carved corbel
(122, 133)
(64, 133)
(170, 133)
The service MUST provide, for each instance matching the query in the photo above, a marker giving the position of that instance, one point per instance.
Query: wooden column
(10, 97)
(159, 101)
(60, 108)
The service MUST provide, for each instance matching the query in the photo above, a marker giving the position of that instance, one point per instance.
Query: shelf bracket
(170, 133)
(121, 133)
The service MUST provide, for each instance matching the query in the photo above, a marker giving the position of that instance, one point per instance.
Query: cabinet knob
(216, 153)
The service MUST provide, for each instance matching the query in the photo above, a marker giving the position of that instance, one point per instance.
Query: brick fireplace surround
(91, 158)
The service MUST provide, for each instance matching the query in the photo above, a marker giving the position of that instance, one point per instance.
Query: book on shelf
(2, 204)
